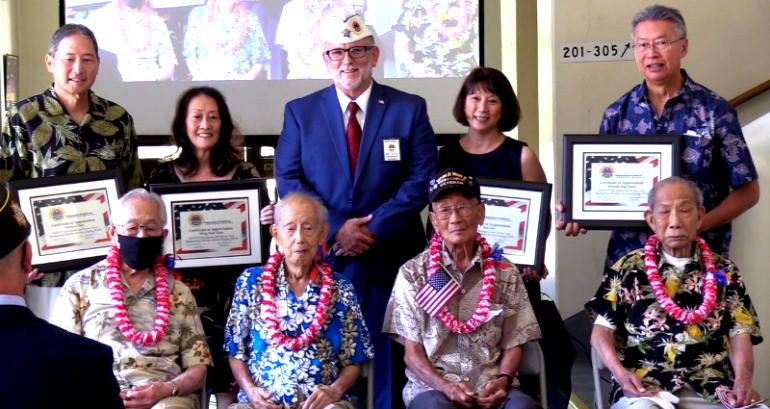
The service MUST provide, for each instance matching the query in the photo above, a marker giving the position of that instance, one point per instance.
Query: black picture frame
(10, 80)
(517, 218)
(59, 206)
(209, 199)
(644, 159)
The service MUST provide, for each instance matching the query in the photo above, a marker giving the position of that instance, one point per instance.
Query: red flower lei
(487, 286)
(146, 33)
(269, 313)
(709, 286)
(115, 286)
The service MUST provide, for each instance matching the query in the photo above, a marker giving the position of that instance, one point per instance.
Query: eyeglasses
(659, 45)
(132, 229)
(444, 213)
(338, 54)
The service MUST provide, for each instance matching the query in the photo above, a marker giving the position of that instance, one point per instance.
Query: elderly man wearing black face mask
(133, 304)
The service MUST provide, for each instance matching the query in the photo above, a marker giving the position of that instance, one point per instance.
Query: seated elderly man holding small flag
(673, 321)
(460, 310)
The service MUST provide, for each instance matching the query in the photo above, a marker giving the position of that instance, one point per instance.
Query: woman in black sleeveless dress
(488, 106)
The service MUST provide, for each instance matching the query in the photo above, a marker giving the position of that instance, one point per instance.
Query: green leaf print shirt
(40, 139)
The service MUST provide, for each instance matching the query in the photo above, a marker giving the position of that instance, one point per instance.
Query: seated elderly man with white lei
(674, 323)
(132, 303)
(460, 310)
(295, 333)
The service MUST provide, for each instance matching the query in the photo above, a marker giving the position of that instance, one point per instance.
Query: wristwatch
(509, 379)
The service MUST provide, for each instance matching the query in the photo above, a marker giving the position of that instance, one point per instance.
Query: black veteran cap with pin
(452, 179)
(14, 228)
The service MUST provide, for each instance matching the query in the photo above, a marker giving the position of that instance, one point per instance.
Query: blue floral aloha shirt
(292, 376)
(715, 155)
(660, 350)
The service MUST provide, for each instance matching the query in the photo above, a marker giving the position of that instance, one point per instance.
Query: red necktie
(353, 135)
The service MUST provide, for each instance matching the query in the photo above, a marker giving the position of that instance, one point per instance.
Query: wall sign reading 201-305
(590, 52)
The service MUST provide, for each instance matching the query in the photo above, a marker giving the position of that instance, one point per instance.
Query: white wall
(729, 53)
(751, 244)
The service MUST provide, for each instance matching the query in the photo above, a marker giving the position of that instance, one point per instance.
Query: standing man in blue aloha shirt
(715, 155)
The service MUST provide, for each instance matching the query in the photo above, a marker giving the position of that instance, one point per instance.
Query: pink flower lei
(269, 313)
(487, 286)
(115, 286)
(659, 289)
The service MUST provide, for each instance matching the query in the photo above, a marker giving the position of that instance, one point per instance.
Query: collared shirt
(292, 376)
(84, 307)
(715, 155)
(661, 350)
(473, 358)
(363, 104)
(7, 299)
(40, 139)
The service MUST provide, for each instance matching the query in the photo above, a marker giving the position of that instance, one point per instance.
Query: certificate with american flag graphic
(607, 177)
(69, 216)
(516, 218)
(214, 223)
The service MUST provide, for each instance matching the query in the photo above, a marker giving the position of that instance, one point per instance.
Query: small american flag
(437, 292)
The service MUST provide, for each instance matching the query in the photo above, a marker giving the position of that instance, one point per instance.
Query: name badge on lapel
(392, 149)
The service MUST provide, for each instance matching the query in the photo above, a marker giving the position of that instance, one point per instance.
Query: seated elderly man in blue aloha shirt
(296, 335)
(674, 323)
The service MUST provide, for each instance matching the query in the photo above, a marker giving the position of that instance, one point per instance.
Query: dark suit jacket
(44, 366)
(312, 157)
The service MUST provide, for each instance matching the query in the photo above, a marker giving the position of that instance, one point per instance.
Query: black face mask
(139, 253)
(134, 4)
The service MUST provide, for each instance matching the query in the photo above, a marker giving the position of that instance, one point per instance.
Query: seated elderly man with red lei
(460, 310)
(674, 323)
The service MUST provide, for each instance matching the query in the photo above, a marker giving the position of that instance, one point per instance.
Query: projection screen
(263, 53)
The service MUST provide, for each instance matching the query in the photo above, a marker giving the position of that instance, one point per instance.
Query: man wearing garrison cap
(366, 151)
(43, 366)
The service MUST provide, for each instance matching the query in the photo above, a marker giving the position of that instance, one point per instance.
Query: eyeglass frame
(348, 51)
(660, 44)
(140, 228)
(463, 210)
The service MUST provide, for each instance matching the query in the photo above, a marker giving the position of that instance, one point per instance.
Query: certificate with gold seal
(213, 223)
(607, 177)
(69, 217)
(516, 219)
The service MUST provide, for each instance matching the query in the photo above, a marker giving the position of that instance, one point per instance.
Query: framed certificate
(516, 218)
(69, 217)
(607, 177)
(213, 223)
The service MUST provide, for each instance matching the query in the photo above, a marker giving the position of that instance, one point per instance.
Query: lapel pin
(381, 101)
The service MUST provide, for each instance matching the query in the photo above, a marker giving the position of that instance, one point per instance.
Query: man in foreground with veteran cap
(460, 309)
(42, 366)
(366, 151)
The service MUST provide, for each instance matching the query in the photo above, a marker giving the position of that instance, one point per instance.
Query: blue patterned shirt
(292, 376)
(715, 155)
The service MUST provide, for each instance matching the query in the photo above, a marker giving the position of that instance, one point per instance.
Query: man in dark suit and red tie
(366, 151)
(41, 365)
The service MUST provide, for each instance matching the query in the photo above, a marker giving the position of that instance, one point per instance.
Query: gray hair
(118, 213)
(658, 13)
(696, 192)
(69, 30)
(320, 209)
